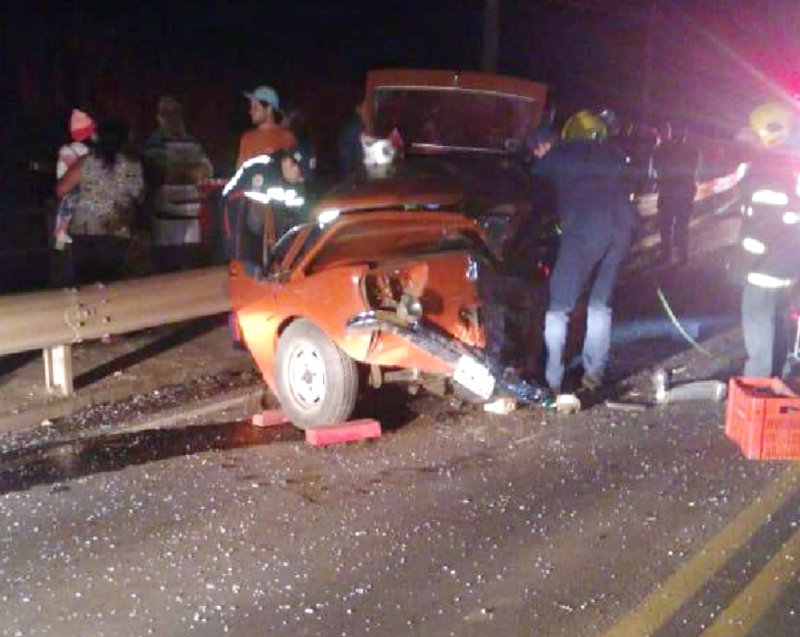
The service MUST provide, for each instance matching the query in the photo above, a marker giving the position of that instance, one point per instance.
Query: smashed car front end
(424, 317)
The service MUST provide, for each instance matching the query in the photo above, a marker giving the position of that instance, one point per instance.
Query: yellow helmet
(585, 125)
(773, 123)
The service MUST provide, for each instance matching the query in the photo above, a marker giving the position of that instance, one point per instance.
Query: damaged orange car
(384, 285)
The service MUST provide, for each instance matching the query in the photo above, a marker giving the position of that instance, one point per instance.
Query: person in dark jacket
(586, 183)
(351, 152)
(513, 294)
(675, 161)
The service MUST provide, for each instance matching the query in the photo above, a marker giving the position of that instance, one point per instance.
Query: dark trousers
(674, 213)
(179, 257)
(93, 258)
(583, 259)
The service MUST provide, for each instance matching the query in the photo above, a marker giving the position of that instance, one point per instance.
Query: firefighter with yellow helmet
(585, 125)
(774, 124)
(770, 233)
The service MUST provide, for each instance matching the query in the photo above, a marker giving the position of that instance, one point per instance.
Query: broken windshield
(431, 118)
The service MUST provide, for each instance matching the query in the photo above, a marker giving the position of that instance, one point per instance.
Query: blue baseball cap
(265, 95)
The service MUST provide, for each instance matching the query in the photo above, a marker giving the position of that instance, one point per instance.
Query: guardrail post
(58, 369)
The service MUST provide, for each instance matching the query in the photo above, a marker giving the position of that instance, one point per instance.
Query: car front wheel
(316, 382)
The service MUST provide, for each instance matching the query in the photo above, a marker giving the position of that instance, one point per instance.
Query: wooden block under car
(273, 418)
(350, 431)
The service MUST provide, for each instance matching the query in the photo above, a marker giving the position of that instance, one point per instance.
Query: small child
(82, 128)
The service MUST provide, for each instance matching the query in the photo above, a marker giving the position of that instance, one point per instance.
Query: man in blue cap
(269, 135)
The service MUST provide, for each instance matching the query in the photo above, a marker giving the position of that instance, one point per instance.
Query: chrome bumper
(432, 339)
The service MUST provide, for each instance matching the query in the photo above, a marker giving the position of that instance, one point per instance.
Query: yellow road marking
(760, 595)
(666, 599)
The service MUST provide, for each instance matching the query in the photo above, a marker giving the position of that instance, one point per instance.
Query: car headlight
(753, 246)
(770, 197)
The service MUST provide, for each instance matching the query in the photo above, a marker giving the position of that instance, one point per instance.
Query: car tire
(316, 382)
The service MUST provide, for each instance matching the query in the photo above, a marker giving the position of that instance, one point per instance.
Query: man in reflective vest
(770, 236)
(265, 199)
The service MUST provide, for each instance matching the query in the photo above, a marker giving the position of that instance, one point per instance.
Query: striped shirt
(175, 167)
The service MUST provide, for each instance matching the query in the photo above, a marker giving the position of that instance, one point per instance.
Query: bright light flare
(326, 216)
(791, 218)
(767, 281)
(753, 246)
(770, 197)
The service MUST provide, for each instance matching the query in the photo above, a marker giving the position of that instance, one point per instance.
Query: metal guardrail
(56, 319)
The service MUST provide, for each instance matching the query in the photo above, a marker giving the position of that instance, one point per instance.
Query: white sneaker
(567, 404)
(503, 405)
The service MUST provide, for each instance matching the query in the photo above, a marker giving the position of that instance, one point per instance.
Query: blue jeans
(582, 259)
(596, 344)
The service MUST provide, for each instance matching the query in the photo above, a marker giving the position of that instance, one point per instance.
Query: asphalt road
(610, 523)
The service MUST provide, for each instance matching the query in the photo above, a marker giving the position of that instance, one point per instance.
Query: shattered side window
(285, 243)
(455, 118)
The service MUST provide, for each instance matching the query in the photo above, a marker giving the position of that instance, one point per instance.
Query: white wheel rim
(306, 371)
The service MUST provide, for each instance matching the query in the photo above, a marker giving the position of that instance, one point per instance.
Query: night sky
(712, 59)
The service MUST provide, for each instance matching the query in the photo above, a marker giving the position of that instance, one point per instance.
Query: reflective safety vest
(770, 232)
(256, 179)
(762, 280)
(261, 205)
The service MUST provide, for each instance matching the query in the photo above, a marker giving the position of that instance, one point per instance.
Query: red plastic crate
(763, 417)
